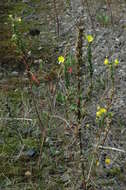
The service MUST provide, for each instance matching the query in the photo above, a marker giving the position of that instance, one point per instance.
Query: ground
(58, 167)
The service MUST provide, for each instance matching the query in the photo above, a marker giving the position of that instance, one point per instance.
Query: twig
(91, 18)
(90, 169)
(92, 162)
(56, 18)
(17, 119)
(61, 118)
(20, 153)
(41, 125)
(41, 148)
(111, 148)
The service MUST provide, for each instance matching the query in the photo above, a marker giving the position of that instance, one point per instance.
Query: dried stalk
(17, 119)
(110, 10)
(41, 126)
(79, 115)
(56, 18)
(89, 13)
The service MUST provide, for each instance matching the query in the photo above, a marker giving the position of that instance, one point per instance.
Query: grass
(49, 132)
(19, 137)
(60, 155)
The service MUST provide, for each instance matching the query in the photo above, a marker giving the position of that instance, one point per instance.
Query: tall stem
(79, 102)
(56, 18)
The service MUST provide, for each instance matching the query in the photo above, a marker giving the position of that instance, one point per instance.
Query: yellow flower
(61, 59)
(100, 112)
(116, 62)
(106, 61)
(89, 38)
(107, 161)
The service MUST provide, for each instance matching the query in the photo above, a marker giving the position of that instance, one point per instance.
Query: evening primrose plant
(111, 66)
(101, 112)
(66, 68)
(66, 95)
(89, 55)
(89, 40)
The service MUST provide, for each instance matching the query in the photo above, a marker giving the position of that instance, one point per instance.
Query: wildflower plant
(68, 69)
(90, 39)
(103, 115)
(112, 67)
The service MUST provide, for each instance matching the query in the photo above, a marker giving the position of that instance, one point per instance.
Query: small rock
(31, 153)
(27, 173)
(14, 74)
